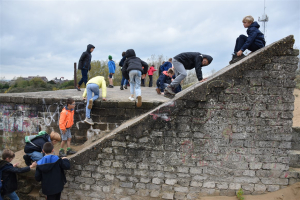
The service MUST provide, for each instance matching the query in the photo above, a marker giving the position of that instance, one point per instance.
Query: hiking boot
(139, 103)
(62, 153)
(125, 86)
(168, 95)
(110, 86)
(131, 98)
(121, 88)
(169, 89)
(70, 152)
(78, 88)
(236, 58)
(158, 91)
(27, 160)
(89, 121)
(90, 104)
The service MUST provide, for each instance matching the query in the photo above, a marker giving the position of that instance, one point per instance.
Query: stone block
(234, 186)
(260, 188)
(154, 193)
(273, 188)
(209, 184)
(126, 184)
(157, 181)
(180, 195)
(167, 195)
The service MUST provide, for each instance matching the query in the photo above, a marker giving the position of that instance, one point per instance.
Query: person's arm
(81, 59)
(145, 65)
(62, 120)
(252, 33)
(103, 86)
(18, 170)
(38, 175)
(65, 164)
(198, 66)
(84, 93)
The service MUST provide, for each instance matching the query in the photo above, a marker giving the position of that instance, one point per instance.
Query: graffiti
(163, 112)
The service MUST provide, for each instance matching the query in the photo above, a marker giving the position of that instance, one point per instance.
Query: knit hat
(110, 57)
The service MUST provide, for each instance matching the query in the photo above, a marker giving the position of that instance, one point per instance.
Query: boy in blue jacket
(111, 71)
(9, 182)
(164, 79)
(50, 171)
(253, 42)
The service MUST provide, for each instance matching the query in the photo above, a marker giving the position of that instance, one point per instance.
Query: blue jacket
(50, 170)
(111, 66)
(165, 67)
(254, 35)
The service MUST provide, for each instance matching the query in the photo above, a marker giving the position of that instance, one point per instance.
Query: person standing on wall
(84, 65)
(111, 71)
(150, 74)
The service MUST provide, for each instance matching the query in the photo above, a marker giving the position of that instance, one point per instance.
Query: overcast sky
(45, 38)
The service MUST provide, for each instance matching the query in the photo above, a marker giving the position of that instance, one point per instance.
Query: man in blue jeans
(84, 65)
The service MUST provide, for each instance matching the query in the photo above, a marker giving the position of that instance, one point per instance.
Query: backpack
(29, 138)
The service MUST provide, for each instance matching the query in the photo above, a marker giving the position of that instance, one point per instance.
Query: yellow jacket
(100, 81)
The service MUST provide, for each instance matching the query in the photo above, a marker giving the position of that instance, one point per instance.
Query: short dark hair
(123, 53)
(70, 101)
(48, 147)
(7, 153)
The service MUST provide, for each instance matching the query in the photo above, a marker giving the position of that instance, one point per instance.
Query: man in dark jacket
(132, 70)
(50, 171)
(187, 61)
(8, 171)
(124, 82)
(253, 42)
(84, 65)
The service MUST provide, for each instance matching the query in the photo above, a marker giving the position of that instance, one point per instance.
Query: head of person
(170, 60)
(130, 53)
(247, 21)
(55, 137)
(8, 155)
(207, 59)
(70, 103)
(163, 62)
(123, 53)
(109, 57)
(171, 72)
(48, 148)
(90, 48)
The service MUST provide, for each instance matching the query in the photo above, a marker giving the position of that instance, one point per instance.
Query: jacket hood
(208, 57)
(66, 108)
(130, 53)
(3, 163)
(89, 46)
(47, 162)
(254, 24)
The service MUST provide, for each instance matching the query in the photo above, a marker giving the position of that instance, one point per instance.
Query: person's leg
(89, 96)
(138, 91)
(253, 47)
(95, 89)
(122, 82)
(240, 41)
(180, 73)
(132, 74)
(150, 80)
(35, 156)
(13, 196)
(54, 196)
(69, 149)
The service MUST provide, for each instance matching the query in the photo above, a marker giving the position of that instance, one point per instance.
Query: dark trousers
(84, 78)
(142, 82)
(54, 196)
(241, 40)
(150, 80)
(124, 81)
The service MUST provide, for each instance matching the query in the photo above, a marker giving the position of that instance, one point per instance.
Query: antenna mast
(264, 19)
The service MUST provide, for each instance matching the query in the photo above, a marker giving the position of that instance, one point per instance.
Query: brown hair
(48, 147)
(170, 71)
(123, 53)
(70, 101)
(170, 59)
(7, 153)
(55, 136)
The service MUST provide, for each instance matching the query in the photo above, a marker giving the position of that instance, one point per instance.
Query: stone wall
(232, 131)
(26, 114)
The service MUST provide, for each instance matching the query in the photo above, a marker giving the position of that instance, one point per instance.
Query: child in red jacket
(66, 121)
(150, 74)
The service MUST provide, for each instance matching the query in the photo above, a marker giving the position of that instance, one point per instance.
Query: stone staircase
(294, 155)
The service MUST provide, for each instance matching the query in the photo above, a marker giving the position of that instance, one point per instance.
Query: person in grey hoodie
(187, 61)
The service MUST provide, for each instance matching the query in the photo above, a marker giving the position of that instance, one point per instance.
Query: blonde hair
(7, 153)
(248, 18)
(55, 136)
(170, 71)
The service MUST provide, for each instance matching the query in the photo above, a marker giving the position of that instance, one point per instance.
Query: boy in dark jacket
(124, 82)
(132, 70)
(34, 149)
(50, 171)
(164, 78)
(84, 65)
(183, 62)
(253, 42)
(165, 66)
(9, 177)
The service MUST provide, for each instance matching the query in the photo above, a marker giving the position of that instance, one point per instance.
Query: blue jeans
(13, 196)
(90, 88)
(241, 40)
(35, 156)
(135, 82)
(124, 81)
(84, 78)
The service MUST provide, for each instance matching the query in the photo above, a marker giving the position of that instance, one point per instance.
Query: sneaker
(169, 89)
(89, 121)
(121, 88)
(236, 58)
(90, 104)
(125, 86)
(158, 91)
(78, 88)
(168, 95)
(70, 152)
(131, 98)
(27, 160)
(139, 103)
(62, 153)
(110, 86)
